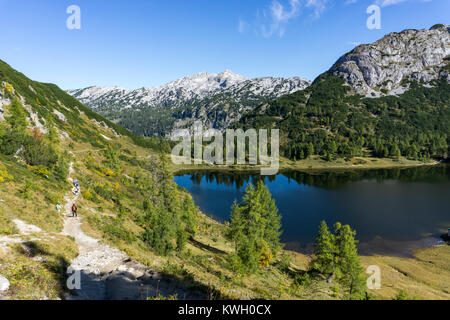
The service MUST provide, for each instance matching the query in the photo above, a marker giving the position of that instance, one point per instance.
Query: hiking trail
(108, 273)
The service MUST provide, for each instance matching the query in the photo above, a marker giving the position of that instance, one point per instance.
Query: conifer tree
(336, 256)
(160, 232)
(349, 265)
(236, 229)
(255, 228)
(189, 216)
(52, 135)
(324, 251)
(170, 221)
(112, 158)
(18, 117)
(271, 218)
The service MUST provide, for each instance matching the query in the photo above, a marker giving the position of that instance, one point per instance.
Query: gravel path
(108, 274)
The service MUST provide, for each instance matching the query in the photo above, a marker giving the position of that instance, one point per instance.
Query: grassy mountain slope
(124, 186)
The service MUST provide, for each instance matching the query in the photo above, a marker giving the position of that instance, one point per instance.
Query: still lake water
(393, 210)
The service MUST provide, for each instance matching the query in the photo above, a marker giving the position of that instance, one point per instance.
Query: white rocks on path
(26, 228)
(4, 284)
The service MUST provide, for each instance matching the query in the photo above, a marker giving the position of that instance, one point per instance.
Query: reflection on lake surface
(393, 210)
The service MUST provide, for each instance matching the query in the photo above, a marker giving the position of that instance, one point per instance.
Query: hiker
(58, 207)
(74, 211)
(77, 186)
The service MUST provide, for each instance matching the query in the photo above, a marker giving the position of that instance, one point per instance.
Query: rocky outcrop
(3, 102)
(381, 68)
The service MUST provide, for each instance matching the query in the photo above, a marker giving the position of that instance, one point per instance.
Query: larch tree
(324, 260)
(349, 265)
(255, 228)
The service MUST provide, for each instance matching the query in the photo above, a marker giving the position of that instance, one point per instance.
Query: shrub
(61, 169)
(402, 295)
(53, 198)
(40, 171)
(104, 190)
(266, 256)
(285, 262)
(7, 227)
(303, 280)
(36, 152)
(11, 141)
(4, 176)
(17, 119)
(25, 192)
(88, 195)
(115, 230)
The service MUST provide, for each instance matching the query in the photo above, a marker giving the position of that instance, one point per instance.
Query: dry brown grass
(426, 276)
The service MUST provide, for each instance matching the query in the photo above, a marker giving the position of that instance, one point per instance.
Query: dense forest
(326, 119)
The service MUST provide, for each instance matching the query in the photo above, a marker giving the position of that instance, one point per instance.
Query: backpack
(74, 208)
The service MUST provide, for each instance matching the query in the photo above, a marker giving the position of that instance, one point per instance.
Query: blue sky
(144, 43)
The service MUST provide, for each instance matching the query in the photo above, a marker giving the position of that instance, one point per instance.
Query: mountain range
(384, 68)
(219, 100)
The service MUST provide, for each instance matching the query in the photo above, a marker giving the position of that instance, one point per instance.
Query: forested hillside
(386, 99)
(328, 120)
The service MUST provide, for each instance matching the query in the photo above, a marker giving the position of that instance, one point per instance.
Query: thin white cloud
(274, 20)
(386, 3)
(278, 17)
(242, 26)
(318, 7)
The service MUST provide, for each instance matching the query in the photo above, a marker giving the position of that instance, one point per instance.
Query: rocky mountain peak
(381, 68)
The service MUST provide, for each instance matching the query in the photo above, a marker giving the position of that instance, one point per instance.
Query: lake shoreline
(372, 243)
(377, 246)
(309, 166)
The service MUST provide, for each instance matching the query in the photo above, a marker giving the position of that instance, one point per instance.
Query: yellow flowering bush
(266, 256)
(88, 195)
(4, 175)
(40, 171)
(9, 88)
